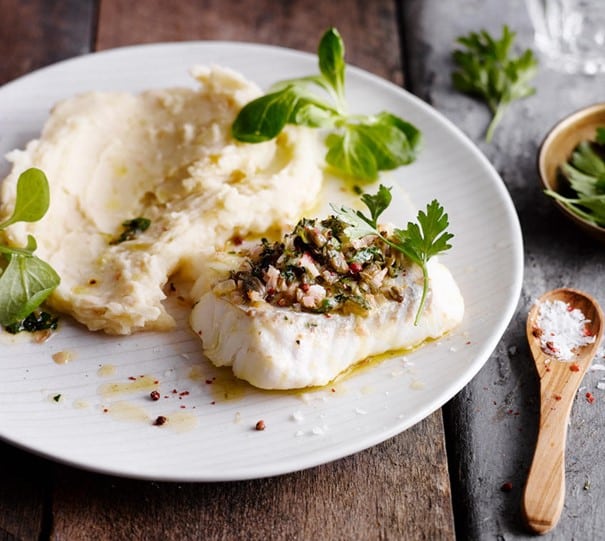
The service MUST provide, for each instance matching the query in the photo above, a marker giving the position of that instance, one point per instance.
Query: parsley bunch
(25, 280)
(358, 145)
(487, 71)
(585, 172)
(418, 242)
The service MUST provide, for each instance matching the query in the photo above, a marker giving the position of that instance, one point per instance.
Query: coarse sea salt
(562, 329)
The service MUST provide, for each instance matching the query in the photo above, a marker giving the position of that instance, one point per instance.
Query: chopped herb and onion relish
(36, 321)
(317, 268)
(345, 263)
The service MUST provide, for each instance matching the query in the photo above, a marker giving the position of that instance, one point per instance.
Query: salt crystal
(359, 411)
(597, 366)
(406, 363)
(563, 330)
(305, 397)
(601, 385)
(297, 416)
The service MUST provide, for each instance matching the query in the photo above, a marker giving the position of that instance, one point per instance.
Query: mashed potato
(167, 156)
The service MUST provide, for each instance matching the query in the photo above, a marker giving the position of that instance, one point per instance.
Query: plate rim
(479, 358)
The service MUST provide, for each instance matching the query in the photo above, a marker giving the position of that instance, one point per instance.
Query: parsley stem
(425, 289)
(496, 118)
(425, 273)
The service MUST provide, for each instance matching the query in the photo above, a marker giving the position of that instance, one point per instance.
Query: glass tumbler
(570, 34)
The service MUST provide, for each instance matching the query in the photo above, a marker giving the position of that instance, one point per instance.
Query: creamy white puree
(165, 155)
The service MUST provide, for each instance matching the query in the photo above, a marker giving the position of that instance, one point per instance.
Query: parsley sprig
(585, 172)
(418, 242)
(357, 145)
(487, 71)
(25, 280)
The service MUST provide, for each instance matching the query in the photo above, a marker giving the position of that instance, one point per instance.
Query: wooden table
(403, 488)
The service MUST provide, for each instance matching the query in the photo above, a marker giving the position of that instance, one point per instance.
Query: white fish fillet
(278, 348)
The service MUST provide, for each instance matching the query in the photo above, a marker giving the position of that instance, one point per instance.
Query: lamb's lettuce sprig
(357, 145)
(25, 280)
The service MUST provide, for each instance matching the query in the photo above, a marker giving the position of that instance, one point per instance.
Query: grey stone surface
(492, 423)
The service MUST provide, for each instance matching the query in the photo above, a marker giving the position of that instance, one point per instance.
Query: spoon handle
(544, 493)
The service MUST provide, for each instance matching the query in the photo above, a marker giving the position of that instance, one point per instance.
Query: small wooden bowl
(557, 148)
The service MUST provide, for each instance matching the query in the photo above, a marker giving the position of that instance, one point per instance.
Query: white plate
(212, 438)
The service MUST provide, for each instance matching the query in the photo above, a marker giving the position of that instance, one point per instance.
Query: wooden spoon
(559, 381)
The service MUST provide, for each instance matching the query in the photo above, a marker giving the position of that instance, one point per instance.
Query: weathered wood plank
(368, 28)
(34, 34)
(492, 423)
(377, 494)
(23, 492)
(37, 33)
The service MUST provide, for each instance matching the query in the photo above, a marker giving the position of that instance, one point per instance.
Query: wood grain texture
(380, 493)
(544, 493)
(24, 489)
(377, 494)
(386, 492)
(35, 33)
(369, 29)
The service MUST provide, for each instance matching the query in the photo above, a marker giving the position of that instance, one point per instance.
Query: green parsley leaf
(419, 241)
(487, 71)
(377, 203)
(25, 280)
(428, 237)
(585, 172)
(361, 225)
(357, 145)
(591, 209)
(131, 228)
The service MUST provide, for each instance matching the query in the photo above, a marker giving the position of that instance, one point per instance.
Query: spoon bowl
(544, 492)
